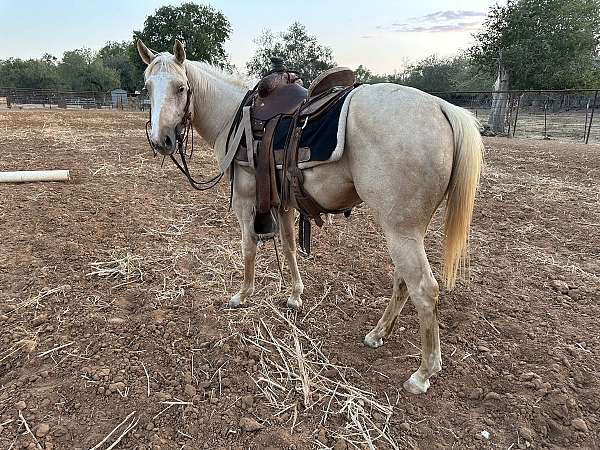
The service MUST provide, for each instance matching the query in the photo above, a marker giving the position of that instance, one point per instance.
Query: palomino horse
(405, 152)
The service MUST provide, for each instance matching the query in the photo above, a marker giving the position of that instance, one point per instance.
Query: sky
(383, 35)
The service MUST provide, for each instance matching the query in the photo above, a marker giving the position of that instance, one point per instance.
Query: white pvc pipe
(24, 176)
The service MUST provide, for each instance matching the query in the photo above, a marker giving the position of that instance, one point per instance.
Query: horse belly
(331, 185)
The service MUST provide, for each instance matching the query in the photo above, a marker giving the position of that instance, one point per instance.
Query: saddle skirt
(322, 140)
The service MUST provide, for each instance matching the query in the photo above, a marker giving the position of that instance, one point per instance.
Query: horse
(405, 152)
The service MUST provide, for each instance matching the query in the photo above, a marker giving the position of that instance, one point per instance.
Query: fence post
(517, 114)
(546, 119)
(587, 136)
(587, 114)
(511, 104)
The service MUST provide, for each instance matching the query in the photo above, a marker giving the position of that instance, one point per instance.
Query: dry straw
(296, 376)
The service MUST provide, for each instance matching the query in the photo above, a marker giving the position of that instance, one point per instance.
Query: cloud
(439, 22)
(445, 28)
(449, 15)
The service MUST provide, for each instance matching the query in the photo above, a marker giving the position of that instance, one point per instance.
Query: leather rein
(183, 132)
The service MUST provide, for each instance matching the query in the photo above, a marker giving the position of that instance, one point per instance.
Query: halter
(183, 131)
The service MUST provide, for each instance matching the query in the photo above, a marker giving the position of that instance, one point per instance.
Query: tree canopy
(79, 70)
(434, 74)
(543, 44)
(202, 29)
(32, 73)
(299, 50)
(117, 56)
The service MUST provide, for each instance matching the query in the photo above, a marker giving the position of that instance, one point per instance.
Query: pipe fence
(567, 114)
(49, 98)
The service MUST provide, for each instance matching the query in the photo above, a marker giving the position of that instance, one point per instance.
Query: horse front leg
(286, 230)
(243, 206)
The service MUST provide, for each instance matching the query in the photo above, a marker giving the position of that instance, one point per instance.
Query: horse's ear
(146, 54)
(179, 51)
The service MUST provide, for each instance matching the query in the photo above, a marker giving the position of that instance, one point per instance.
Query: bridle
(183, 131)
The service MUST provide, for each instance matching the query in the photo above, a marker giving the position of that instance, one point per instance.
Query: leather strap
(234, 143)
(263, 168)
(304, 233)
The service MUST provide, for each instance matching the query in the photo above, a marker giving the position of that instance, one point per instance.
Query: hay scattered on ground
(297, 376)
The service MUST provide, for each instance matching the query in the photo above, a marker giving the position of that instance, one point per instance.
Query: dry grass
(297, 376)
(36, 300)
(127, 267)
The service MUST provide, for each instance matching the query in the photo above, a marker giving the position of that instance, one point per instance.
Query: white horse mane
(165, 62)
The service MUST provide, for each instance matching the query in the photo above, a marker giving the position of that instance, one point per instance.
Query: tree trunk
(497, 119)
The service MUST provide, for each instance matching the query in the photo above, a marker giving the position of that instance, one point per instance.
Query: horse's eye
(181, 89)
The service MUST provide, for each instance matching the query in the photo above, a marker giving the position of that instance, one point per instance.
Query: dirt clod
(21, 405)
(189, 390)
(42, 430)
(250, 425)
(579, 425)
(560, 286)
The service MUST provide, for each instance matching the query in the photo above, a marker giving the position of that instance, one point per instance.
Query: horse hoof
(294, 303)
(235, 301)
(372, 341)
(415, 386)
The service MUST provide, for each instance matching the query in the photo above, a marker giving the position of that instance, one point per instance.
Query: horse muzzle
(164, 144)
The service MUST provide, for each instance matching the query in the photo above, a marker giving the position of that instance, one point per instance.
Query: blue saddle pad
(319, 134)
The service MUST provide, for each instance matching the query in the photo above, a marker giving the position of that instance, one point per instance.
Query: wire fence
(544, 114)
(567, 115)
(47, 98)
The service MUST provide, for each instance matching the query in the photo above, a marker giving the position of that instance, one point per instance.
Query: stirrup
(265, 226)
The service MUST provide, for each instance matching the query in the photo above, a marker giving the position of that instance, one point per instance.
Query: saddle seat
(283, 93)
(338, 76)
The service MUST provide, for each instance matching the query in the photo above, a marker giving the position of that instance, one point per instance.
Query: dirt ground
(112, 315)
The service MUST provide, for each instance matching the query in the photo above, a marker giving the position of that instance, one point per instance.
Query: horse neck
(215, 101)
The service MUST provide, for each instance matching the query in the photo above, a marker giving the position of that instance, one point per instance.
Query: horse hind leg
(408, 255)
(386, 324)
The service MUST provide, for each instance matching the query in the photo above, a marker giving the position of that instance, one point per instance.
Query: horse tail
(462, 188)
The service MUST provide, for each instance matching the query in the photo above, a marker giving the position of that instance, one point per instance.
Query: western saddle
(280, 94)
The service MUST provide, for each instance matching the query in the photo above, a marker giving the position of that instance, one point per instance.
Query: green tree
(299, 50)
(116, 56)
(82, 71)
(434, 74)
(431, 74)
(363, 75)
(544, 44)
(201, 28)
(31, 73)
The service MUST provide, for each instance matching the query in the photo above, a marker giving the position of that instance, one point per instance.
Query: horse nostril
(168, 141)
